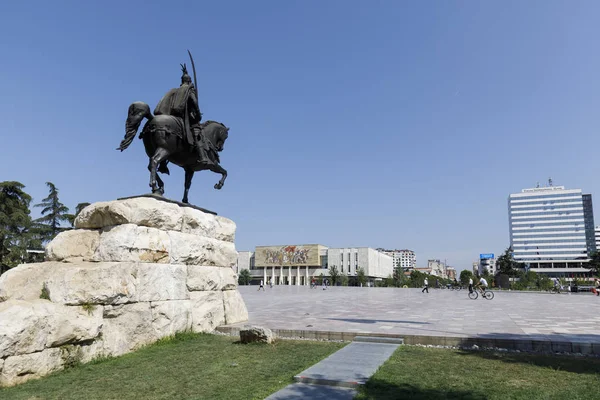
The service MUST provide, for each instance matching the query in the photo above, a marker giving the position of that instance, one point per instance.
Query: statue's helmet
(185, 78)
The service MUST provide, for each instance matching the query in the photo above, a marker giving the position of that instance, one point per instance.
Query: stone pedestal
(133, 271)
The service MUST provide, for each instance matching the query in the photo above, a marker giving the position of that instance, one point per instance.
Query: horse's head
(216, 132)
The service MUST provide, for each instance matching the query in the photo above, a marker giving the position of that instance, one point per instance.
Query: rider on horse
(182, 102)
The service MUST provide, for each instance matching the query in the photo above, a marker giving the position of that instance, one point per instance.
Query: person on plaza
(425, 286)
(482, 285)
(597, 287)
(262, 285)
(324, 284)
(556, 284)
(470, 285)
(456, 283)
(437, 283)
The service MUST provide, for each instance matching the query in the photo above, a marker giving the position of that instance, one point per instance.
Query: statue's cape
(174, 102)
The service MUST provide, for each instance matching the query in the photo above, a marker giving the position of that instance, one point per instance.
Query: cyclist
(482, 285)
(556, 284)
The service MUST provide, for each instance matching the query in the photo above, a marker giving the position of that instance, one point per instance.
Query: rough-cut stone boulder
(144, 211)
(19, 369)
(73, 245)
(235, 308)
(256, 334)
(203, 277)
(134, 271)
(207, 310)
(32, 326)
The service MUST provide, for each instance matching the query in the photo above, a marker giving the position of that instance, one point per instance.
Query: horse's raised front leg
(159, 155)
(216, 168)
(189, 174)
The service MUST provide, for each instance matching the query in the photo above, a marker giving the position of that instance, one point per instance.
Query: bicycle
(488, 295)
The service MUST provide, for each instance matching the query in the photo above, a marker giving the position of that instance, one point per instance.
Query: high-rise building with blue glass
(552, 229)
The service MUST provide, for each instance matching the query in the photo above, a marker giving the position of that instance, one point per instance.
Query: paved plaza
(572, 317)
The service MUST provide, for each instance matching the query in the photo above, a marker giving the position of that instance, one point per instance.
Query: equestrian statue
(174, 134)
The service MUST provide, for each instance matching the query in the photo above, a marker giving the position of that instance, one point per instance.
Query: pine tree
(15, 224)
(53, 213)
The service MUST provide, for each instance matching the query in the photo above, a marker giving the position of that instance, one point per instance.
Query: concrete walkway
(337, 376)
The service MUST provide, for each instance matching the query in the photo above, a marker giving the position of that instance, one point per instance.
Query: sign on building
(288, 255)
(486, 256)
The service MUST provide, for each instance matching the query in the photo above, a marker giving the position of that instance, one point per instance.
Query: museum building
(299, 264)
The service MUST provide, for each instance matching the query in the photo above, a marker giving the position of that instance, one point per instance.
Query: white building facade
(487, 262)
(437, 267)
(280, 269)
(405, 259)
(551, 229)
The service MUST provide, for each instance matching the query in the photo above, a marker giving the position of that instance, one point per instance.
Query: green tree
(53, 213)
(389, 281)
(417, 278)
(334, 274)
(594, 263)
(465, 275)
(244, 277)
(399, 277)
(506, 264)
(15, 224)
(344, 279)
(78, 208)
(360, 276)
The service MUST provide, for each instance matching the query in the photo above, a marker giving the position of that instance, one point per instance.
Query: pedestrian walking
(425, 289)
(262, 285)
(597, 287)
(470, 285)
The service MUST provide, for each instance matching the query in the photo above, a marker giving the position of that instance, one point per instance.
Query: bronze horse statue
(163, 139)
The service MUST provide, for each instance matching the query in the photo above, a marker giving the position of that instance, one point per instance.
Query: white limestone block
(25, 281)
(31, 326)
(21, 368)
(134, 243)
(196, 250)
(142, 211)
(94, 283)
(170, 317)
(207, 310)
(235, 308)
(198, 223)
(126, 328)
(73, 245)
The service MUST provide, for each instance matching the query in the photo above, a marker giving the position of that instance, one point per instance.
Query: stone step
(379, 339)
(298, 391)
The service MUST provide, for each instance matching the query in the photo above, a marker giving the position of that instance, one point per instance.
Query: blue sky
(352, 123)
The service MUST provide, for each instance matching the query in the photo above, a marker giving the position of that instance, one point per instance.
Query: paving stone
(404, 312)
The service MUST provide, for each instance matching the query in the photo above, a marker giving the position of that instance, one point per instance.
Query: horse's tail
(137, 111)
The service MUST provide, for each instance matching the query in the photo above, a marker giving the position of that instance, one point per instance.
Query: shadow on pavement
(303, 391)
(381, 390)
(374, 321)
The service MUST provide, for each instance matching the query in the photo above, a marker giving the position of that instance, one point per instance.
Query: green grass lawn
(429, 373)
(187, 367)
